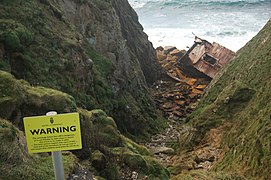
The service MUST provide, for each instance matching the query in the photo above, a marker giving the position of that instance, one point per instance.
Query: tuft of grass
(16, 163)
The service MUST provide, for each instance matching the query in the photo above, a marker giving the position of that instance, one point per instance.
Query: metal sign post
(57, 157)
(53, 133)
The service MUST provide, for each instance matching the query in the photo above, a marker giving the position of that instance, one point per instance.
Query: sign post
(53, 133)
(57, 157)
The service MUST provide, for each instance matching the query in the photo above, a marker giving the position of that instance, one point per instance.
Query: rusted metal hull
(208, 58)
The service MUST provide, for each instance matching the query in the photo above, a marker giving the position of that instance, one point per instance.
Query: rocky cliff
(95, 51)
(77, 55)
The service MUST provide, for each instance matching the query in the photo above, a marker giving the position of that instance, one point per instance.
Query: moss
(201, 174)
(156, 170)
(104, 130)
(145, 165)
(7, 130)
(240, 97)
(20, 99)
(134, 147)
(50, 54)
(14, 34)
(103, 65)
(100, 117)
(148, 121)
(16, 163)
(135, 161)
(98, 160)
(111, 172)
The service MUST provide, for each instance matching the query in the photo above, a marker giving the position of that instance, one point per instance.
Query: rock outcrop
(94, 50)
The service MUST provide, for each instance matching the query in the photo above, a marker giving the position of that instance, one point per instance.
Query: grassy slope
(99, 133)
(241, 96)
(16, 163)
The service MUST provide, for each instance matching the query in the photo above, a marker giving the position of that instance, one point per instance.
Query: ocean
(231, 23)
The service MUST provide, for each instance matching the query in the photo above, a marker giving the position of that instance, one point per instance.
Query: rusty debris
(187, 75)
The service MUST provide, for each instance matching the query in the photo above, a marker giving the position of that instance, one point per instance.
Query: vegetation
(99, 134)
(16, 163)
(241, 97)
(44, 48)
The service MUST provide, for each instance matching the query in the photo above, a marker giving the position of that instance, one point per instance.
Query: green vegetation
(18, 99)
(99, 134)
(240, 97)
(112, 151)
(44, 48)
(60, 70)
(16, 163)
(14, 35)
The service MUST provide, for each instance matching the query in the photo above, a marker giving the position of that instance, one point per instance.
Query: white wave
(137, 4)
(183, 38)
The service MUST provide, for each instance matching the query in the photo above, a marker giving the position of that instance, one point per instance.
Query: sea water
(231, 23)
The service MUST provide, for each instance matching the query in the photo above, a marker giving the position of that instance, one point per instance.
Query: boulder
(163, 150)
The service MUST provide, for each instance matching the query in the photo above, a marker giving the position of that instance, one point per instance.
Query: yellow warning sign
(53, 133)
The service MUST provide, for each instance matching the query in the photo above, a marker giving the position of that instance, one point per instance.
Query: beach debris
(177, 93)
(187, 75)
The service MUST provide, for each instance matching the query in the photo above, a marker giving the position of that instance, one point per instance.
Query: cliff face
(136, 39)
(94, 50)
(73, 55)
(112, 27)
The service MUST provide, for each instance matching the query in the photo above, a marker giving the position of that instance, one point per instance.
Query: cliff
(230, 130)
(95, 51)
(77, 55)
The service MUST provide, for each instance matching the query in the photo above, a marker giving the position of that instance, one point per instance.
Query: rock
(163, 150)
(134, 175)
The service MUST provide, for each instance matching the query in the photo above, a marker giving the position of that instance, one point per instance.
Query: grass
(16, 163)
(241, 95)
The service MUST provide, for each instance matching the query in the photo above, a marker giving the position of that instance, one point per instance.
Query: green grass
(241, 96)
(16, 163)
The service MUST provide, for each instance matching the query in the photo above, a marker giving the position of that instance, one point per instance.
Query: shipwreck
(208, 58)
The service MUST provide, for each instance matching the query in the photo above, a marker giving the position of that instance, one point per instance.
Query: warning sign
(53, 133)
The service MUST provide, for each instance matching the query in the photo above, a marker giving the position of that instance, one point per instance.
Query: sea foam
(228, 22)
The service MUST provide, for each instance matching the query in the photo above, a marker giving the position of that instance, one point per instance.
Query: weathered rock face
(137, 40)
(113, 29)
(94, 50)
